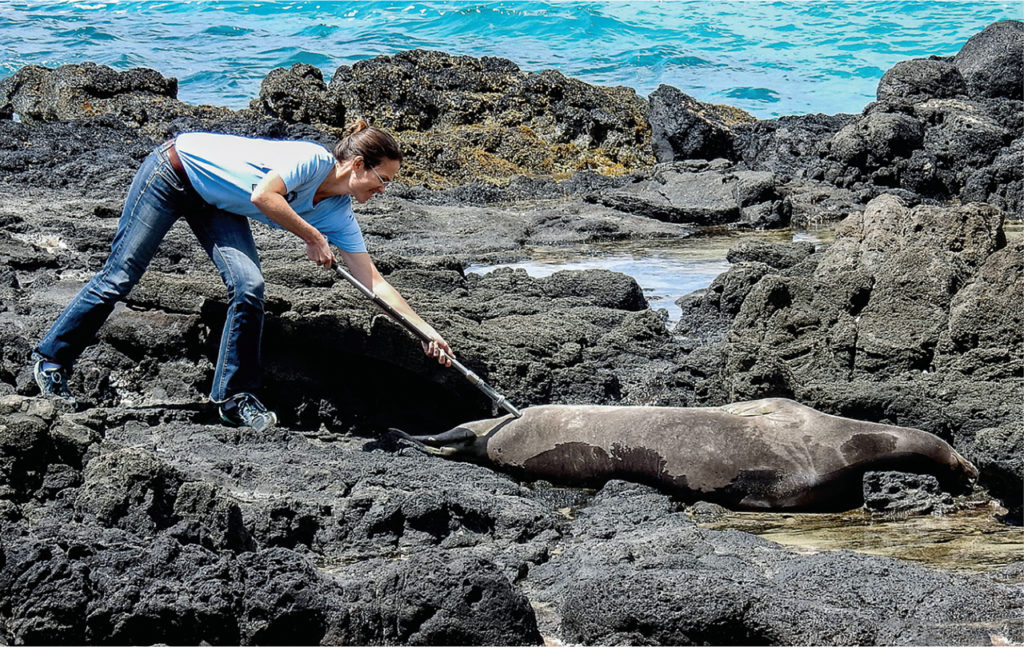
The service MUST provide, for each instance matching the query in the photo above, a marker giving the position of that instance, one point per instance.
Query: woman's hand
(439, 348)
(318, 251)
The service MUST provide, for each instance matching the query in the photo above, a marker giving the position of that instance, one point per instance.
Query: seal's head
(465, 441)
(457, 442)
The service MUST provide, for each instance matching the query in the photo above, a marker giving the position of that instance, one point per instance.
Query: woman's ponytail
(369, 142)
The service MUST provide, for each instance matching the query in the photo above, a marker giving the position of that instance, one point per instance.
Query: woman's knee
(247, 287)
(112, 284)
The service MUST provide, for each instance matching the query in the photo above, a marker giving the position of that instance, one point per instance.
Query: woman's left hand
(440, 349)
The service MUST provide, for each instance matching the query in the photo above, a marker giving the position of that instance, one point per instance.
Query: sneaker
(244, 410)
(53, 382)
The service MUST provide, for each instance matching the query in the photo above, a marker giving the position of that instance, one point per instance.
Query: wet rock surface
(703, 194)
(636, 570)
(140, 519)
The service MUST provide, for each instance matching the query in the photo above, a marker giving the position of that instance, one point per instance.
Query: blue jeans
(156, 199)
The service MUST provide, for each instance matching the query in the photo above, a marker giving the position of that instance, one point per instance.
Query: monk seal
(773, 454)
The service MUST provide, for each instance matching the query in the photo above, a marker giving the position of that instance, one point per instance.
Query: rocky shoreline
(142, 520)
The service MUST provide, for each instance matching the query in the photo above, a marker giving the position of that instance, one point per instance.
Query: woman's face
(369, 181)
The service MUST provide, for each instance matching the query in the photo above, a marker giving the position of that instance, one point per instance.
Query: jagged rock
(96, 157)
(159, 335)
(635, 571)
(298, 94)
(1002, 183)
(900, 493)
(25, 452)
(998, 453)
(130, 489)
(148, 522)
(968, 234)
(74, 442)
(990, 60)
(899, 320)
(683, 128)
(891, 294)
(218, 520)
(601, 287)
(875, 141)
(921, 79)
(433, 600)
(984, 326)
(74, 91)
(22, 255)
(966, 139)
(707, 314)
(933, 135)
(789, 146)
(460, 118)
(138, 97)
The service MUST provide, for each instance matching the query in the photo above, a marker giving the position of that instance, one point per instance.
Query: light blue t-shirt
(224, 170)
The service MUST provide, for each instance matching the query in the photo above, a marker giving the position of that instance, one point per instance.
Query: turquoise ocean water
(770, 58)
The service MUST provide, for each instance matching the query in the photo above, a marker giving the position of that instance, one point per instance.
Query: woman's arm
(268, 196)
(361, 266)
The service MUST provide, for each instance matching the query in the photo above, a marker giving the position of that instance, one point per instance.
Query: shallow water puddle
(666, 269)
(967, 541)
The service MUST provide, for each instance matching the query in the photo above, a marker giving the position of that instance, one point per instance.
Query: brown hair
(369, 142)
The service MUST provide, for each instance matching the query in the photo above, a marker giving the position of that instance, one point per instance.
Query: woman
(218, 182)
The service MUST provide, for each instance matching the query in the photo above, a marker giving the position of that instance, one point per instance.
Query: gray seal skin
(764, 454)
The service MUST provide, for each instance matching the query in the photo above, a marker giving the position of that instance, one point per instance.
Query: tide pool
(665, 269)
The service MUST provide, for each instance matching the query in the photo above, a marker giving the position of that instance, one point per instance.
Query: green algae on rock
(461, 118)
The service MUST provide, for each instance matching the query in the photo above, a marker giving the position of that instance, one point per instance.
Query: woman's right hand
(318, 251)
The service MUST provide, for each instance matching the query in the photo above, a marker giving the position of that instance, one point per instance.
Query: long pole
(498, 399)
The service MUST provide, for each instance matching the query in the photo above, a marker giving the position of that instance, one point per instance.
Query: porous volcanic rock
(460, 118)
(633, 569)
(176, 531)
(708, 313)
(789, 146)
(932, 133)
(140, 519)
(901, 493)
(922, 79)
(877, 139)
(990, 60)
(941, 129)
(138, 97)
(298, 94)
